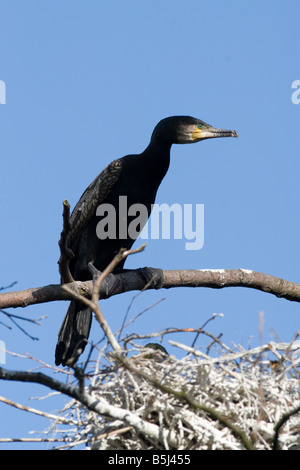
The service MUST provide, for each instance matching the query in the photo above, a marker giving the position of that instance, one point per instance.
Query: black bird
(137, 177)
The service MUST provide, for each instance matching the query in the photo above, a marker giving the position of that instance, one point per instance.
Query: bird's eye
(199, 126)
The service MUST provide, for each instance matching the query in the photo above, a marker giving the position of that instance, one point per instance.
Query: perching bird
(137, 177)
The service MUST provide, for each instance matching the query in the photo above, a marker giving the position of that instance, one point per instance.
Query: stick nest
(238, 399)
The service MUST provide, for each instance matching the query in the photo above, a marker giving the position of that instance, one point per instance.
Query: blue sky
(86, 82)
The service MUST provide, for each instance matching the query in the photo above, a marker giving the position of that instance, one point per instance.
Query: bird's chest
(134, 190)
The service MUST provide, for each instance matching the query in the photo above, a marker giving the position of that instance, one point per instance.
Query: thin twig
(19, 406)
(66, 254)
(8, 287)
(93, 303)
(12, 319)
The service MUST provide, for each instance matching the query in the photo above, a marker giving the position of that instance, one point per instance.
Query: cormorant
(137, 177)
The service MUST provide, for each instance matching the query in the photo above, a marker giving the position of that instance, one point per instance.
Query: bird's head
(187, 130)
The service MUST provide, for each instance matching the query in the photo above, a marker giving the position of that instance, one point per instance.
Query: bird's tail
(73, 334)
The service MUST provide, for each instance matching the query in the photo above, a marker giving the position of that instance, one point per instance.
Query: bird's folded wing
(95, 194)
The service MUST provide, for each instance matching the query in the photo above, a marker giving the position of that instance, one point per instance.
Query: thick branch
(220, 278)
(134, 280)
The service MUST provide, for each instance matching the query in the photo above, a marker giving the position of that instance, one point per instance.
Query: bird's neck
(156, 159)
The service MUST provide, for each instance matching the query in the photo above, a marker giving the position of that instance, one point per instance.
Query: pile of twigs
(239, 399)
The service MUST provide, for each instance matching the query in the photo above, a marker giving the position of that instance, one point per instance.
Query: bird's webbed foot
(153, 276)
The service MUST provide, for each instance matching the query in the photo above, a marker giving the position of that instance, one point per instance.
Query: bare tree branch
(94, 302)
(8, 287)
(134, 280)
(100, 407)
(280, 423)
(13, 318)
(216, 395)
(66, 254)
(19, 406)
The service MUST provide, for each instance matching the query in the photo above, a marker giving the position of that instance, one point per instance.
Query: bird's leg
(153, 277)
(109, 285)
(113, 283)
(94, 271)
